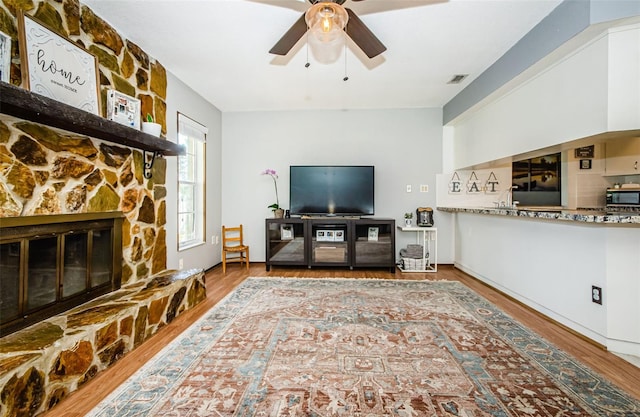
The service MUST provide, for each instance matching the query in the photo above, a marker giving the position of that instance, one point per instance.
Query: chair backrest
(232, 236)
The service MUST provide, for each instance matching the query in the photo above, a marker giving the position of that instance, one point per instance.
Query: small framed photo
(373, 234)
(585, 164)
(331, 235)
(5, 57)
(286, 232)
(123, 109)
(57, 68)
(338, 236)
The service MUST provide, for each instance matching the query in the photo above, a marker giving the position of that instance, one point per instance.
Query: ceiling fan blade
(363, 37)
(289, 39)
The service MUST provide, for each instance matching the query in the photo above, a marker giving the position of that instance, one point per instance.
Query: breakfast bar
(580, 268)
(586, 215)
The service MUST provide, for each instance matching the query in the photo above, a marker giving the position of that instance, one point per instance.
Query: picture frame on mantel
(5, 57)
(123, 109)
(55, 67)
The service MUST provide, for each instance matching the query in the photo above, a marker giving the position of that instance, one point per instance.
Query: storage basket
(414, 264)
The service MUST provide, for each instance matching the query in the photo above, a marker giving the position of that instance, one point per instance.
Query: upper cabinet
(623, 156)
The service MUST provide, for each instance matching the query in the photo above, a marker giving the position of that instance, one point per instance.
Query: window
(191, 189)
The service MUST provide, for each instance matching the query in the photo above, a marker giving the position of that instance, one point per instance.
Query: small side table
(428, 238)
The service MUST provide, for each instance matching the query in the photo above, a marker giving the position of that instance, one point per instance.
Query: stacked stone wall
(46, 171)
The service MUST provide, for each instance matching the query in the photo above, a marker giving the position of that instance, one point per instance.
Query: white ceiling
(220, 49)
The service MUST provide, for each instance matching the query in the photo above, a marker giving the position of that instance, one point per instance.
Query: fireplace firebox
(52, 263)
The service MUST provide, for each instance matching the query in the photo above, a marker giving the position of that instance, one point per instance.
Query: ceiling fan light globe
(320, 36)
(326, 22)
(327, 52)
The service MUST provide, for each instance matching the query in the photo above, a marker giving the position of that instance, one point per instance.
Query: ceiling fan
(355, 28)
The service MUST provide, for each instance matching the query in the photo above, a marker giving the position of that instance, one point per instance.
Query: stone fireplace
(63, 165)
(53, 263)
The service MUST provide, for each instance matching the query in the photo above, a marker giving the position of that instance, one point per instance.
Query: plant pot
(407, 222)
(152, 128)
(278, 213)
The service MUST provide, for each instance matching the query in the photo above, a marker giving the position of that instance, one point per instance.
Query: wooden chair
(232, 243)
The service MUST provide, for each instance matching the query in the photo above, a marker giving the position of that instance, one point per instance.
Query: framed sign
(5, 57)
(57, 68)
(584, 152)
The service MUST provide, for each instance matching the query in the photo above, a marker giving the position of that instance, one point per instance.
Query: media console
(331, 241)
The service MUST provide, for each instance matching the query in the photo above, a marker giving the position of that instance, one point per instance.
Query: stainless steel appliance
(623, 197)
(425, 216)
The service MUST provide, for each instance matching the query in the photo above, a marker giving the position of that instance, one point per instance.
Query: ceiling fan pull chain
(346, 77)
(307, 64)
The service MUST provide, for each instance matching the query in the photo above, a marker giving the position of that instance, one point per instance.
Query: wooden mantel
(26, 105)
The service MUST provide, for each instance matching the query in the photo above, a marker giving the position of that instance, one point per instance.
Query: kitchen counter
(555, 213)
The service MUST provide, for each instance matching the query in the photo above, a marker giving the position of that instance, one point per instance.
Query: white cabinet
(428, 238)
(623, 156)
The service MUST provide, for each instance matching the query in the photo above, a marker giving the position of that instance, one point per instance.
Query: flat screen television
(331, 190)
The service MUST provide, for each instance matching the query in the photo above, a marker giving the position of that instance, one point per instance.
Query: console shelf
(331, 242)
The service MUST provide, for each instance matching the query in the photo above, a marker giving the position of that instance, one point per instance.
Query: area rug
(360, 348)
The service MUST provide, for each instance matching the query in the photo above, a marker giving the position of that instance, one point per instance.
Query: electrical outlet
(596, 294)
(180, 263)
(424, 188)
(408, 188)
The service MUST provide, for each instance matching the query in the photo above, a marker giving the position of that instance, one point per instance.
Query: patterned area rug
(342, 347)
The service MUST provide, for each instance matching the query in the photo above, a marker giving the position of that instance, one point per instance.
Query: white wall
(181, 98)
(548, 265)
(551, 265)
(405, 146)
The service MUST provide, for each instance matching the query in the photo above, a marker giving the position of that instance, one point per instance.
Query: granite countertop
(587, 215)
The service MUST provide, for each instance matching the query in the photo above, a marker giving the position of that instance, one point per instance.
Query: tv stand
(331, 242)
(328, 216)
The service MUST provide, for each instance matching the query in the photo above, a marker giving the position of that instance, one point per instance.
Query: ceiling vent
(457, 79)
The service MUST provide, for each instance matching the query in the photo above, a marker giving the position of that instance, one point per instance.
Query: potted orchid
(278, 213)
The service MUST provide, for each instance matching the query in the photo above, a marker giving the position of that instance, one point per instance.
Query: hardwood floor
(617, 370)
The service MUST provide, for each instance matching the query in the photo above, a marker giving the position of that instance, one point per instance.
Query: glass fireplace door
(74, 276)
(42, 272)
